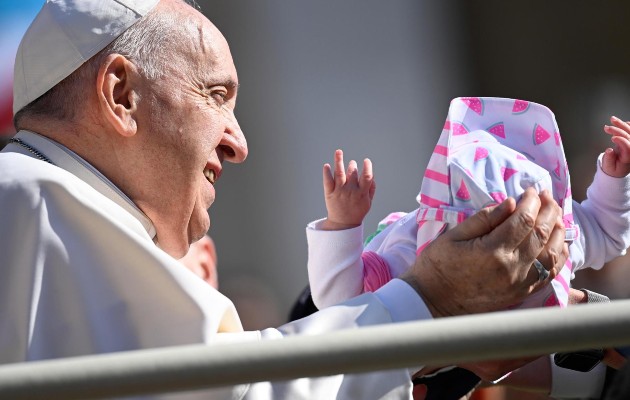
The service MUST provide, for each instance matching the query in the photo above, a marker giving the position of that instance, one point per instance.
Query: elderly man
(125, 115)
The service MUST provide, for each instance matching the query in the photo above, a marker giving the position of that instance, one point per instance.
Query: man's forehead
(207, 41)
(219, 63)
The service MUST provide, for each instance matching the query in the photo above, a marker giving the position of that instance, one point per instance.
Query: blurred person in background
(254, 300)
(202, 260)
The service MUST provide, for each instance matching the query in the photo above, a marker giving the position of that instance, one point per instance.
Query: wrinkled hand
(534, 376)
(616, 162)
(485, 263)
(348, 195)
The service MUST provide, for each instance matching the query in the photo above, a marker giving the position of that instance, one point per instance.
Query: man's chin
(198, 230)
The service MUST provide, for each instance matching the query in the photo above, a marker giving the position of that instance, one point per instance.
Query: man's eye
(220, 97)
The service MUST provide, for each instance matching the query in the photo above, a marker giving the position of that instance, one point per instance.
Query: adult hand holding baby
(485, 263)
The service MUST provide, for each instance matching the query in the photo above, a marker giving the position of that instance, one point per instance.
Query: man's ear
(117, 93)
(208, 261)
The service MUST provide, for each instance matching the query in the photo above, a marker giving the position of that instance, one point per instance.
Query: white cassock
(80, 274)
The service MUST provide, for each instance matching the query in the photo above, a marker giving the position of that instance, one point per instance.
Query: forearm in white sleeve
(604, 219)
(569, 384)
(394, 302)
(335, 268)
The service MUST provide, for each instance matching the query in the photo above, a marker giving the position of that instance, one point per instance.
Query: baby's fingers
(624, 126)
(609, 160)
(623, 148)
(366, 176)
(340, 173)
(352, 173)
(329, 181)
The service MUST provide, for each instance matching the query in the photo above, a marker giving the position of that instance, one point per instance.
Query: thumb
(609, 160)
(483, 222)
(328, 180)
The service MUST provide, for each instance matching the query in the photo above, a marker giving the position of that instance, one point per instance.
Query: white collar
(68, 160)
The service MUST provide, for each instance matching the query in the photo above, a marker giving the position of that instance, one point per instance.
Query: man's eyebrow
(232, 85)
(227, 82)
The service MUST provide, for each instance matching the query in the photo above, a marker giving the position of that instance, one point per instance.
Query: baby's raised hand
(348, 195)
(616, 162)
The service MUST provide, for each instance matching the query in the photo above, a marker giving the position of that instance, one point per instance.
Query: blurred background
(375, 79)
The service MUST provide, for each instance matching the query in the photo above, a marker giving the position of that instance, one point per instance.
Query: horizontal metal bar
(445, 341)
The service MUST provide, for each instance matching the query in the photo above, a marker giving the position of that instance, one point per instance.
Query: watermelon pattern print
(474, 103)
(481, 153)
(507, 173)
(463, 193)
(540, 135)
(458, 129)
(483, 157)
(520, 106)
(497, 129)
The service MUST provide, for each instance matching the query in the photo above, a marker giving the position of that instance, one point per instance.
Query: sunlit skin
(616, 162)
(153, 139)
(348, 193)
(188, 125)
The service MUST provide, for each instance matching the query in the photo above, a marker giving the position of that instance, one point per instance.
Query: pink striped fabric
(439, 149)
(436, 176)
(491, 149)
(376, 271)
(431, 202)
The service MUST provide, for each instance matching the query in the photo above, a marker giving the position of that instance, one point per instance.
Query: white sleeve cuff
(617, 187)
(569, 384)
(336, 239)
(402, 301)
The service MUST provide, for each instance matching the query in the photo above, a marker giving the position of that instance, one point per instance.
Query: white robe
(80, 274)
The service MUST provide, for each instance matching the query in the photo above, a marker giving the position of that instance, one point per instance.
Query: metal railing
(446, 341)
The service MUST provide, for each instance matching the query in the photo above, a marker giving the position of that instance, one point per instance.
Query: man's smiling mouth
(210, 175)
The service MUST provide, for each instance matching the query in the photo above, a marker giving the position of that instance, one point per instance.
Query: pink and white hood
(491, 149)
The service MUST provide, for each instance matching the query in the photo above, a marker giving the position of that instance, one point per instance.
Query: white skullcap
(65, 34)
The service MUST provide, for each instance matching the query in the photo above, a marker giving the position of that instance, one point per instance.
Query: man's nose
(233, 144)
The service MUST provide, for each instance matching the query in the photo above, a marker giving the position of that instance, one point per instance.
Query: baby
(490, 149)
